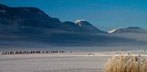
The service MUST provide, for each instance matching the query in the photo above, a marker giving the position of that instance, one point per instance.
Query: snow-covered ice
(66, 62)
(52, 63)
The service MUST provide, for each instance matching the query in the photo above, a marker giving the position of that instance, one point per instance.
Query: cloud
(136, 36)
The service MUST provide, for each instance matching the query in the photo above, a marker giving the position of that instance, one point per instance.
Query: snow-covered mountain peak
(114, 30)
(78, 22)
(128, 30)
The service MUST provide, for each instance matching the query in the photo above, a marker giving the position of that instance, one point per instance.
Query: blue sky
(104, 14)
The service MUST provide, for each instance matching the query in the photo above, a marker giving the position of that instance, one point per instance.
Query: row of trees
(30, 52)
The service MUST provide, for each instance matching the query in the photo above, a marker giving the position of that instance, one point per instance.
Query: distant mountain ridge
(24, 18)
(28, 26)
(128, 30)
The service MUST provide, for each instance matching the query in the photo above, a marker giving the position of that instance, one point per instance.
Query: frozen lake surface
(51, 63)
(64, 62)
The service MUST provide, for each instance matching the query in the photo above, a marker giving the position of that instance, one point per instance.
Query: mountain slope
(87, 26)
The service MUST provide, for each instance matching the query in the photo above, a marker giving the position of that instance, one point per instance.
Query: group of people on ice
(31, 52)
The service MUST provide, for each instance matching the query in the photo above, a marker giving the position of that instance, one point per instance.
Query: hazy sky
(105, 14)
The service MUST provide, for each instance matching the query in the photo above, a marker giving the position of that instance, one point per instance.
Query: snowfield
(66, 62)
(51, 63)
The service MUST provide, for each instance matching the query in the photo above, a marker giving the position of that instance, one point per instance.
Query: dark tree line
(31, 52)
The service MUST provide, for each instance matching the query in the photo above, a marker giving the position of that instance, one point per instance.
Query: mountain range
(29, 26)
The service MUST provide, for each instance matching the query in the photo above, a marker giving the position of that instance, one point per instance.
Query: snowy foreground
(68, 62)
